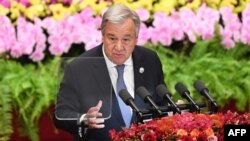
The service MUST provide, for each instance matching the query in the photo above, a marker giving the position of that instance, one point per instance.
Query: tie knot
(120, 69)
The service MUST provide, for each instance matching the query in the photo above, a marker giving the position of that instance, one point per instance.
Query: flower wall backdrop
(25, 34)
(195, 39)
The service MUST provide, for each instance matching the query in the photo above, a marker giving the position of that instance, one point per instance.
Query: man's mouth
(118, 55)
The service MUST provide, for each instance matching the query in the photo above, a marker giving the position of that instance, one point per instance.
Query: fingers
(99, 104)
(94, 111)
(92, 117)
(96, 123)
(97, 107)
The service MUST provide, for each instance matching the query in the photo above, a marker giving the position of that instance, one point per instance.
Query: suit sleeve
(160, 75)
(160, 78)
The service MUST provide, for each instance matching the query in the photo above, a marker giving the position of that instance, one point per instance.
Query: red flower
(183, 127)
(202, 137)
(186, 138)
(149, 136)
(212, 138)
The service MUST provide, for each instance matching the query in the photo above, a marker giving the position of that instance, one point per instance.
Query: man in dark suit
(88, 89)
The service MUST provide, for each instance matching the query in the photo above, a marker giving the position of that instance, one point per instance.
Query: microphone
(146, 97)
(183, 91)
(164, 93)
(203, 90)
(127, 99)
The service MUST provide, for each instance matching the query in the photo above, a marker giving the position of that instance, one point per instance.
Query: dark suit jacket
(84, 85)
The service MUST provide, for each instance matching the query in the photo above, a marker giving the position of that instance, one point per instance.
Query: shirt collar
(110, 64)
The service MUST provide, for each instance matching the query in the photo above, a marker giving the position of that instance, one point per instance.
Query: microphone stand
(146, 114)
(139, 116)
(188, 106)
(214, 107)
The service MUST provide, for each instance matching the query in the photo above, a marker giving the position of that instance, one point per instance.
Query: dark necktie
(125, 110)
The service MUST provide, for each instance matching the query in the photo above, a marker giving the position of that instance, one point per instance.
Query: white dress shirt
(128, 74)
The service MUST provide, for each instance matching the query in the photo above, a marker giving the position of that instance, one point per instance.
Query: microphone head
(162, 90)
(199, 86)
(125, 96)
(181, 89)
(142, 92)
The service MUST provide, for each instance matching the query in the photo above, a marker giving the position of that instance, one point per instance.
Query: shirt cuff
(82, 118)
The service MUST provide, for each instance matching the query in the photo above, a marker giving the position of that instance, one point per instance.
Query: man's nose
(119, 45)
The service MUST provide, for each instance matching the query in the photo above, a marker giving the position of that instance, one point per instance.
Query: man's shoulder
(94, 52)
(87, 56)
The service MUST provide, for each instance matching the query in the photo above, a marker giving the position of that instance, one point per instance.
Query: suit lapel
(138, 64)
(101, 74)
(103, 82)
(100, 70)
(139, 68)
(102, 77)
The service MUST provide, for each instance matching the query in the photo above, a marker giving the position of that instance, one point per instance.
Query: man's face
(119, 41)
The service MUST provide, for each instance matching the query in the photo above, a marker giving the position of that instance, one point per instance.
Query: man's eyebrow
(110, 34)
(128, 35)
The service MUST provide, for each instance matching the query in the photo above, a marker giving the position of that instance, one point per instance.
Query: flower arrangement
(30, 38)
(182, 127)
(58, 8)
